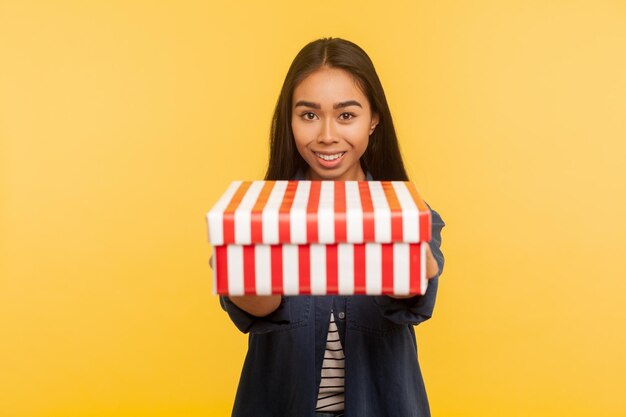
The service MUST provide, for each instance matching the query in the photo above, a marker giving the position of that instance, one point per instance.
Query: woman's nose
(328, 133)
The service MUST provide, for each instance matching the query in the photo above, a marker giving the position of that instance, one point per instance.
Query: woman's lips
(329, 160)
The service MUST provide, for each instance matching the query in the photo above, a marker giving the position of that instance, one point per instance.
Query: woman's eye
(311, 116)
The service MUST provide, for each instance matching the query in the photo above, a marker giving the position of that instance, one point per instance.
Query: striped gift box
(319, 237)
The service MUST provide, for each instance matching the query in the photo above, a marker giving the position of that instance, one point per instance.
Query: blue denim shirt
(282, 370)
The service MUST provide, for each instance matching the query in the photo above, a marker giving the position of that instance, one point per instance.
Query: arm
(416, 309)
(257, 305)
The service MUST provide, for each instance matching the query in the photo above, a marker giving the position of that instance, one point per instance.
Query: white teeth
(329, 157)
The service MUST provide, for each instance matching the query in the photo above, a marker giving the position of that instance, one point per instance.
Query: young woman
(334, 355)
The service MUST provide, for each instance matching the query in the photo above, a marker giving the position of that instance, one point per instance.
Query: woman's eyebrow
(335, 106)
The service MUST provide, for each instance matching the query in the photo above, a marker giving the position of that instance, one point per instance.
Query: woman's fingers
(432, 268)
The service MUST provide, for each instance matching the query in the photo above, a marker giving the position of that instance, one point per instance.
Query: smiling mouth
(330, 157)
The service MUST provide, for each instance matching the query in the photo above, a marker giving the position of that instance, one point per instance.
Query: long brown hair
(382, 157)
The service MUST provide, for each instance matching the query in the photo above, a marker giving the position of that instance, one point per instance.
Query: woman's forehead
(329, 87)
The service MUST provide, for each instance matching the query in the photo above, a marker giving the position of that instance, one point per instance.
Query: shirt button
(342, 315)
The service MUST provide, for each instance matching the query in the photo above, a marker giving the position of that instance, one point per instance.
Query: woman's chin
(338, 173)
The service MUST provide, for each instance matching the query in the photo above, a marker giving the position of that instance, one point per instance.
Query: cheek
(301, 148)
(301, 133)
(300, 144)
(359, 137)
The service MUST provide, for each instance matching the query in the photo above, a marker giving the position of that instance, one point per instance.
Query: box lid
(304, 212)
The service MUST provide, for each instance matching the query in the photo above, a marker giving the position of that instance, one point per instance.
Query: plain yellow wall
(121, 122)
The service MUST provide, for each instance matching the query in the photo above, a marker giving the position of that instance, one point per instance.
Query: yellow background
(121, 122)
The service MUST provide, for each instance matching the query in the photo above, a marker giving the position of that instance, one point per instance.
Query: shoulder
(435, 216)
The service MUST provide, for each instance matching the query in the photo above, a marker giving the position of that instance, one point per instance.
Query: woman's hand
(432, 269)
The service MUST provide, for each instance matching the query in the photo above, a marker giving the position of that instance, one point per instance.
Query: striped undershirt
(331, 394)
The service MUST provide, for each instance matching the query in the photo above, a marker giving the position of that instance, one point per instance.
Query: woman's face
(331, 123)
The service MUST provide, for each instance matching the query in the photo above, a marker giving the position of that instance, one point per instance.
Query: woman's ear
(374, 122)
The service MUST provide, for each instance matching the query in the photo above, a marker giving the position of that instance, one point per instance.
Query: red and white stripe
(320, 269)
(299, 212)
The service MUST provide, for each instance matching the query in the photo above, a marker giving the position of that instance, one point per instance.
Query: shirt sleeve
(247, 323)
(419, 308)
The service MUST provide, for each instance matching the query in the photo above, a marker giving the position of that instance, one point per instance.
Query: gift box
(319, 237)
